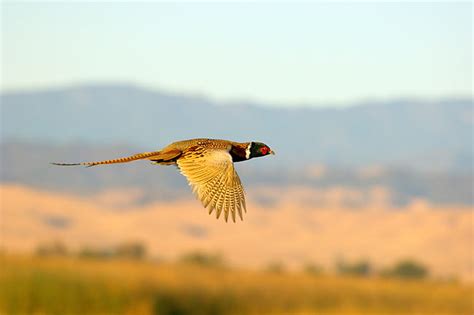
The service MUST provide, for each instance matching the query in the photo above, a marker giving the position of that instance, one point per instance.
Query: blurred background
(365, 209)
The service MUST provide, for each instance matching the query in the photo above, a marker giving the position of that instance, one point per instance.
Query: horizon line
(237, 101)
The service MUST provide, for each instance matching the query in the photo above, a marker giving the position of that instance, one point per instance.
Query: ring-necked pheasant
(208, 166)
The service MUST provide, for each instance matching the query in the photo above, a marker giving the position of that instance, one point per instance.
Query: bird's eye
(264, 150)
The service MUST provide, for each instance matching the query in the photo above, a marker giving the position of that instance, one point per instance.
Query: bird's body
(208, 166)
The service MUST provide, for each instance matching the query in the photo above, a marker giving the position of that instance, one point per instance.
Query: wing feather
(212, 176)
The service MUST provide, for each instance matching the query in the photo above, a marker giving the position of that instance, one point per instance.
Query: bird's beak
(271, 152)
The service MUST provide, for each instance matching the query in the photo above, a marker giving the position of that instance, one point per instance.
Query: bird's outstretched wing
(214, 180)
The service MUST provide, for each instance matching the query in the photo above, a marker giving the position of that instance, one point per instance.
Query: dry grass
(34, 285)
(293, 231)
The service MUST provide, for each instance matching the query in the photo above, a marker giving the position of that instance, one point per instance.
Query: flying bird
(208, 165)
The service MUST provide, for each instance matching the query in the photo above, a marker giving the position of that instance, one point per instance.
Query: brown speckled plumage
(208, 165)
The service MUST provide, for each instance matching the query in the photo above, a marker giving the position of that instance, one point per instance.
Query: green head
(256, 149)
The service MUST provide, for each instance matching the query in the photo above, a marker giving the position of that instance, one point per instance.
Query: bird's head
(257, 149)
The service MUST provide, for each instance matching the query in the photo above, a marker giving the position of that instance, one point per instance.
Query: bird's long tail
(139, 156)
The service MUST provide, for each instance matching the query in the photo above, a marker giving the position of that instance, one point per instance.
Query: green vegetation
(71, 285)
(126, 250)
(407, 269)
(361, 268)
(52, 249)
(203, 259)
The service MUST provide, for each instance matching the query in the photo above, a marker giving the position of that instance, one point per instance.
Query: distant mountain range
(414, 149)
(422, 135)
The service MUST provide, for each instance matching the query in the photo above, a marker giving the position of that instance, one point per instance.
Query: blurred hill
(424, 135)
(413, 149)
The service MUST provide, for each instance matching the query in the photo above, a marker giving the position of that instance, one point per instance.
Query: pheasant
(208, 165)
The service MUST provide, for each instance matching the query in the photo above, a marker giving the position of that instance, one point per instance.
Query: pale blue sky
(318, 53)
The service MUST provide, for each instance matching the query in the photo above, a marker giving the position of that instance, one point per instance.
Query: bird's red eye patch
(264, 150)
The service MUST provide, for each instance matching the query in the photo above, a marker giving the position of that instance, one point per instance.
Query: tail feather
(134, 157)
(65, 164)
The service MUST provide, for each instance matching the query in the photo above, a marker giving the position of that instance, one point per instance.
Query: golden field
(294, 231)
(262, 271)
(32, 285)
